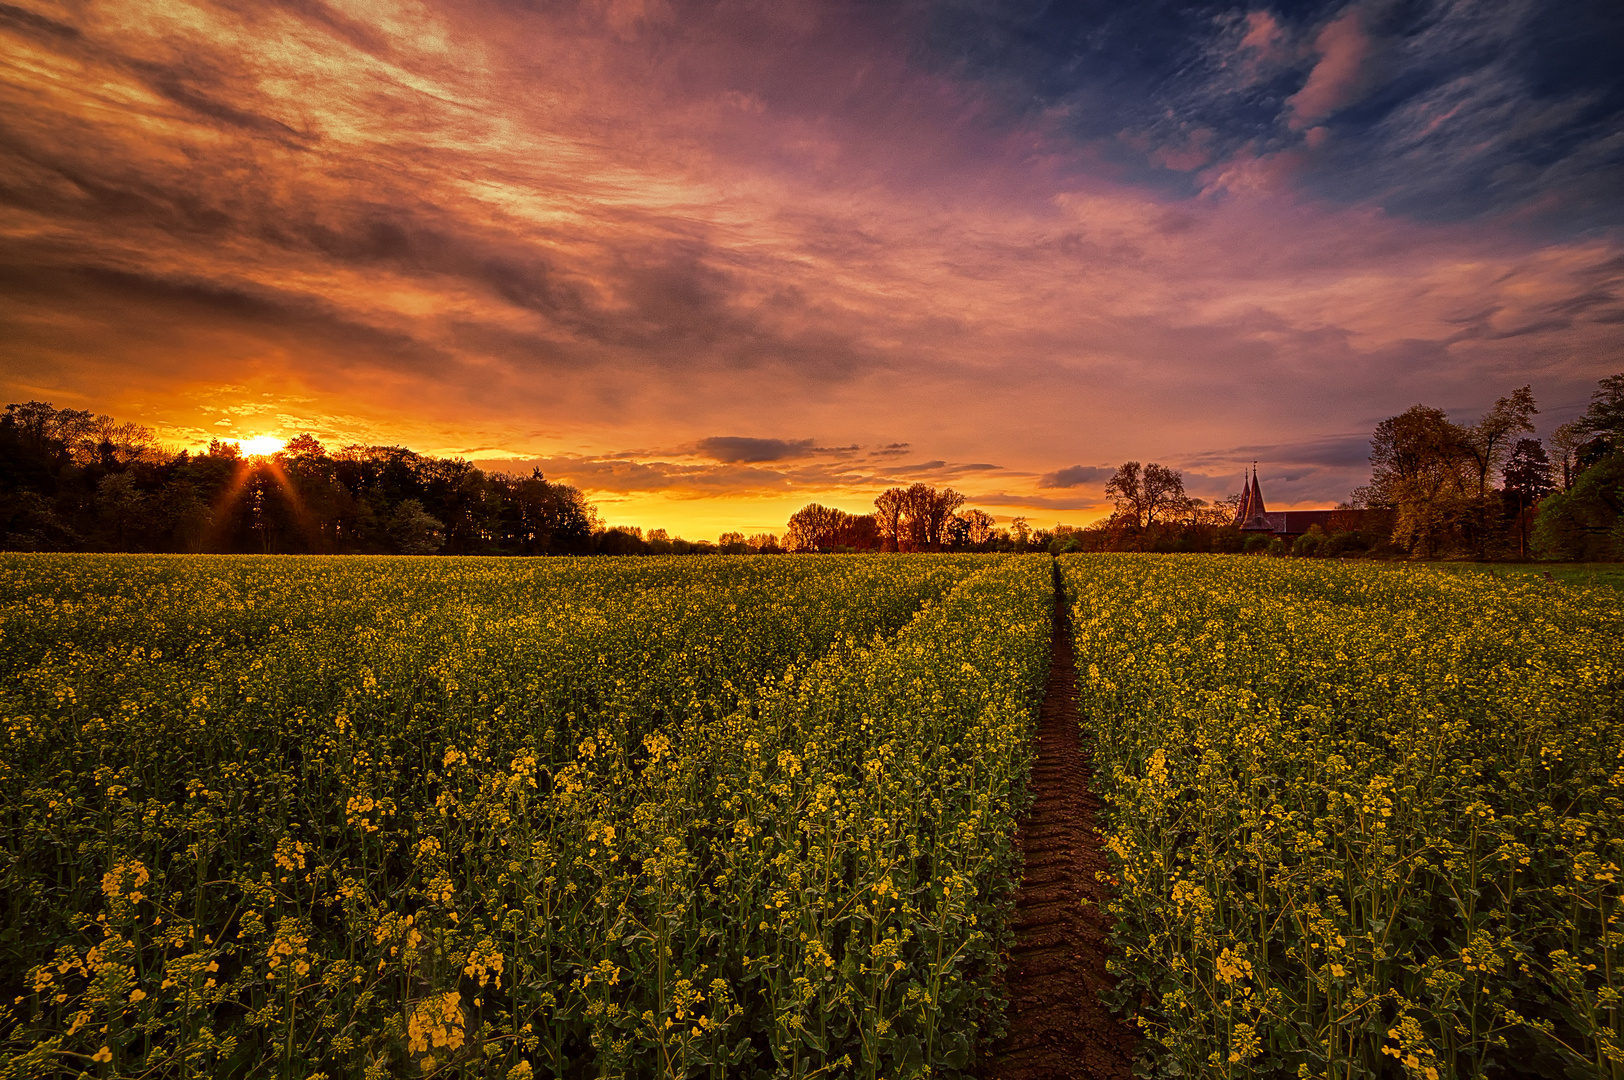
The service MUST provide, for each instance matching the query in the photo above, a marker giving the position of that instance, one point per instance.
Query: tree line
(1488, 489)
(73, 481)
(915, 518)
(1484, 489)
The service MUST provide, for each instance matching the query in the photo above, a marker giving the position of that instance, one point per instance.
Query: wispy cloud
(1342, 71)
(556, 232)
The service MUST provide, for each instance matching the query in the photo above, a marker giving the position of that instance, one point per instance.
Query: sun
(260, 445)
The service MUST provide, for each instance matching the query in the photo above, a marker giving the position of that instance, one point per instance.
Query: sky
(712, 261)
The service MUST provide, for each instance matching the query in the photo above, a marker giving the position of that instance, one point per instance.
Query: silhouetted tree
(1565, 442)
(916, 518)
(823, 528)
(1527, 475)
(1145, 496)
(1163, 492)
(1604, 419)
(889, 509)
(1488, 442)
(1127, 489)
(978, 526)
(70, 480)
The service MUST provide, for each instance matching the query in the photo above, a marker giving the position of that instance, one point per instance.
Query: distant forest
(74, 481)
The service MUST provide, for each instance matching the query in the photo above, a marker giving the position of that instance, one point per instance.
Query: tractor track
(1058, 1025)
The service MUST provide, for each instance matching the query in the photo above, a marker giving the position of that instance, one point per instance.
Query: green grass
(1596, 573)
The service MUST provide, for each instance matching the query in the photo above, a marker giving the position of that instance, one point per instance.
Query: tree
(1420, 464)
(978, 526)
(70, 480)
(858, 532)
(1604, 419)
(114, 446)
(302, 446)
(1566, 441)
(1586, 522)
(55, 431)
(889, 509)
(1163, 492)
(931, 510)
(620, 540)
(1489, 440)
(1217, 515)
(120, 502)
(1144, 495)
(1127, 489)
(414, 530)
(812, 528)
(917, 501)
(1527, 475)
(542, 518)
(916, 518)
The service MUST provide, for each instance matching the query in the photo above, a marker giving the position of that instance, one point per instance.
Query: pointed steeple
(1258, 508)
(1243, 512)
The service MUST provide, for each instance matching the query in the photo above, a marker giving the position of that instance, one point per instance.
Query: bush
(1308, 545)
(1584, 522)
(1343, 543)
(1167, 543)
(1256, 542)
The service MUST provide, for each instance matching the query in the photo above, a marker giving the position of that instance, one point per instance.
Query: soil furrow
(1058, 1026)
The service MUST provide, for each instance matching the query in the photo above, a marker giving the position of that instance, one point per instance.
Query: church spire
(1251, 507)
(1243, 512)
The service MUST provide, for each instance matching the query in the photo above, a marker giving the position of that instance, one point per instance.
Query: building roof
(1297, 522)
(1245, 504)
(1251, 507)
(1254, 516)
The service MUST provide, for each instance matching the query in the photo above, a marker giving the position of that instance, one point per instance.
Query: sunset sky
(712, 261)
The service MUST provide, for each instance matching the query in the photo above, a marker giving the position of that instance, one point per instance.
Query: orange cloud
(1340, 76)
(659, 253)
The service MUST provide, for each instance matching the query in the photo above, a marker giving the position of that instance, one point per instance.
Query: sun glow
(260, 445)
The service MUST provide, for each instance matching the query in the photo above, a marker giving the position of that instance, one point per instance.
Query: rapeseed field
(1364, 821)
(754, 816)
(500, 818)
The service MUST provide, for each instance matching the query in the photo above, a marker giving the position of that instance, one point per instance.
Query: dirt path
(1058, 1026)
